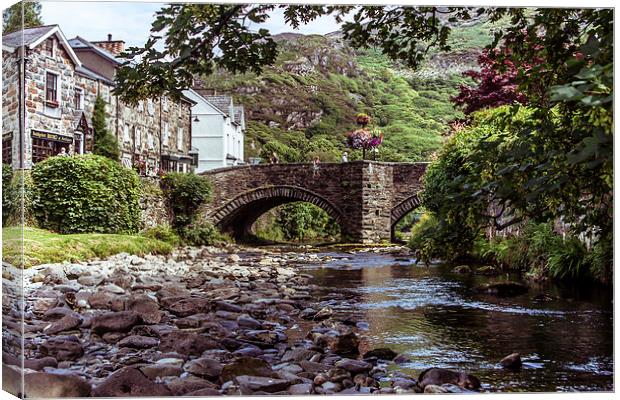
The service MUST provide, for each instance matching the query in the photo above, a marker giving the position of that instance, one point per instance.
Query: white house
(218, 129)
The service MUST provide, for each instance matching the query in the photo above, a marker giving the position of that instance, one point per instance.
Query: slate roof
(239, 114)
(30, 35)
(89, 73)
(81, 43)
(222, 103)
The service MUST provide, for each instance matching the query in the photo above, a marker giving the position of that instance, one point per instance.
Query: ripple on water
(410, 294)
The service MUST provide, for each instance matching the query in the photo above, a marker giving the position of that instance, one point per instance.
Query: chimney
(113, 46)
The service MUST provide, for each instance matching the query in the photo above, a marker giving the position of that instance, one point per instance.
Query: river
(437, 319)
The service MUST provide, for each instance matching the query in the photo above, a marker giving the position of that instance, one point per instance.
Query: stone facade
(153, 135)
(366, 198)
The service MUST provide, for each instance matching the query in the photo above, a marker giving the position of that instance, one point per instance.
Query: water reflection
(437, 319)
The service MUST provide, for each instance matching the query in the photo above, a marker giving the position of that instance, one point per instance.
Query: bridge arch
(239, 214)
(403, 208)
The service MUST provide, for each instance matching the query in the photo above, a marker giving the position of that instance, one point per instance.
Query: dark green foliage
(185, 194)
(12, 16)
(106, 144)
(202, 234)
(86, 193)
(163, 233)
(10, 194)
(300, 220)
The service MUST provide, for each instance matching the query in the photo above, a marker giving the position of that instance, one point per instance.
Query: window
(180, 139)
(78, 100)
(165, 135)
(149, 107)
(126, 137)
(140, 105)
(51, 88)
(50, 47)
(164, 103)
(138, 139)
(149, 140)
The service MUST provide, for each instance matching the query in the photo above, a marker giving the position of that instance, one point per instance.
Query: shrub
(86, 193)
(202, 234)
(10, 194)
(164, 233)
(185, 193)
(105, 144)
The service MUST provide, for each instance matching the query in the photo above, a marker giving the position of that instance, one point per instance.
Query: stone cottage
(61, 80)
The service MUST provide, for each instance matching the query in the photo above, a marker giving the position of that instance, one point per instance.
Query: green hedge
(185, 193)
(86, 193)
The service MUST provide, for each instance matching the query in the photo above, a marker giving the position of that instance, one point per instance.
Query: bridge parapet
(360, 195)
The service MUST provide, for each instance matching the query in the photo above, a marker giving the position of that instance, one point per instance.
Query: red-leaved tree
(497, 85)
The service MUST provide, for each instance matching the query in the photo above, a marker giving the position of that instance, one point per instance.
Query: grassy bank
(41, 246)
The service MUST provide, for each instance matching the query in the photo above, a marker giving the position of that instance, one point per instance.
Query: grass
(42, 247)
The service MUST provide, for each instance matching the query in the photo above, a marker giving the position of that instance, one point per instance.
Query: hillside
(303, 104)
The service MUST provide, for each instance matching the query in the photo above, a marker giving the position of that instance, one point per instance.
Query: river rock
(155, 371)
(487, 270)
(47, 385)
(250, 384)
(146, 307)
(246, 366)
(66, 323)
(205, 392)
(187, 343)
(190, 306)
(180, 386)
(300, 389)
(503, 289)
(298, 354)
(440, 376)
(120, 321)
(323, 313)
(462, 269)
(354, 366)
(129, 382)
(62, 348)
(346, 345)
(401, 359)
(381, 354)
(511, 361)
(205, 367)
(138, 342)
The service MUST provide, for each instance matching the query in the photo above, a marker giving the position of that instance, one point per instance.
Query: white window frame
(150, 140)
(180, 138)
(81, 101)
(166, 134)
(58, 85)
(138, 138)
(164, 103)
(126, 135)
(150, 108)
(140, 105)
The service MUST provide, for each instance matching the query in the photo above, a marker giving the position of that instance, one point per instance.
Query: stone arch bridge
(365, 198)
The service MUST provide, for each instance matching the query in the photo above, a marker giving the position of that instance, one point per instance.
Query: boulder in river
(129, 382)
(462, 269)
(511, 361)
(441, 376)
(503, 289)
(381, 354)
(487, 270)
(46, 385)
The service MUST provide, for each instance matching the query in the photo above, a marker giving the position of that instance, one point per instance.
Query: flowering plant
(358, 138)
(362, 119)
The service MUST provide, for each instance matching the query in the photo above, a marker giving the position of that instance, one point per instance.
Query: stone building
(61, 81)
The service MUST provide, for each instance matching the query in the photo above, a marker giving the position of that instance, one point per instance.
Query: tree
(199, 38)
(561, 155)
(494, 87)
(105, 144)
(12, 16)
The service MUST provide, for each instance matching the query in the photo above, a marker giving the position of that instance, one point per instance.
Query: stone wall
(10, 104)
(155, 209)
(361, 196)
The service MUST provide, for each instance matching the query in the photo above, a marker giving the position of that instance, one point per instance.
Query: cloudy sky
(131, 21)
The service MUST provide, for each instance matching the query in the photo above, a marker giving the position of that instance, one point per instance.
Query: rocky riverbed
(203, 321)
